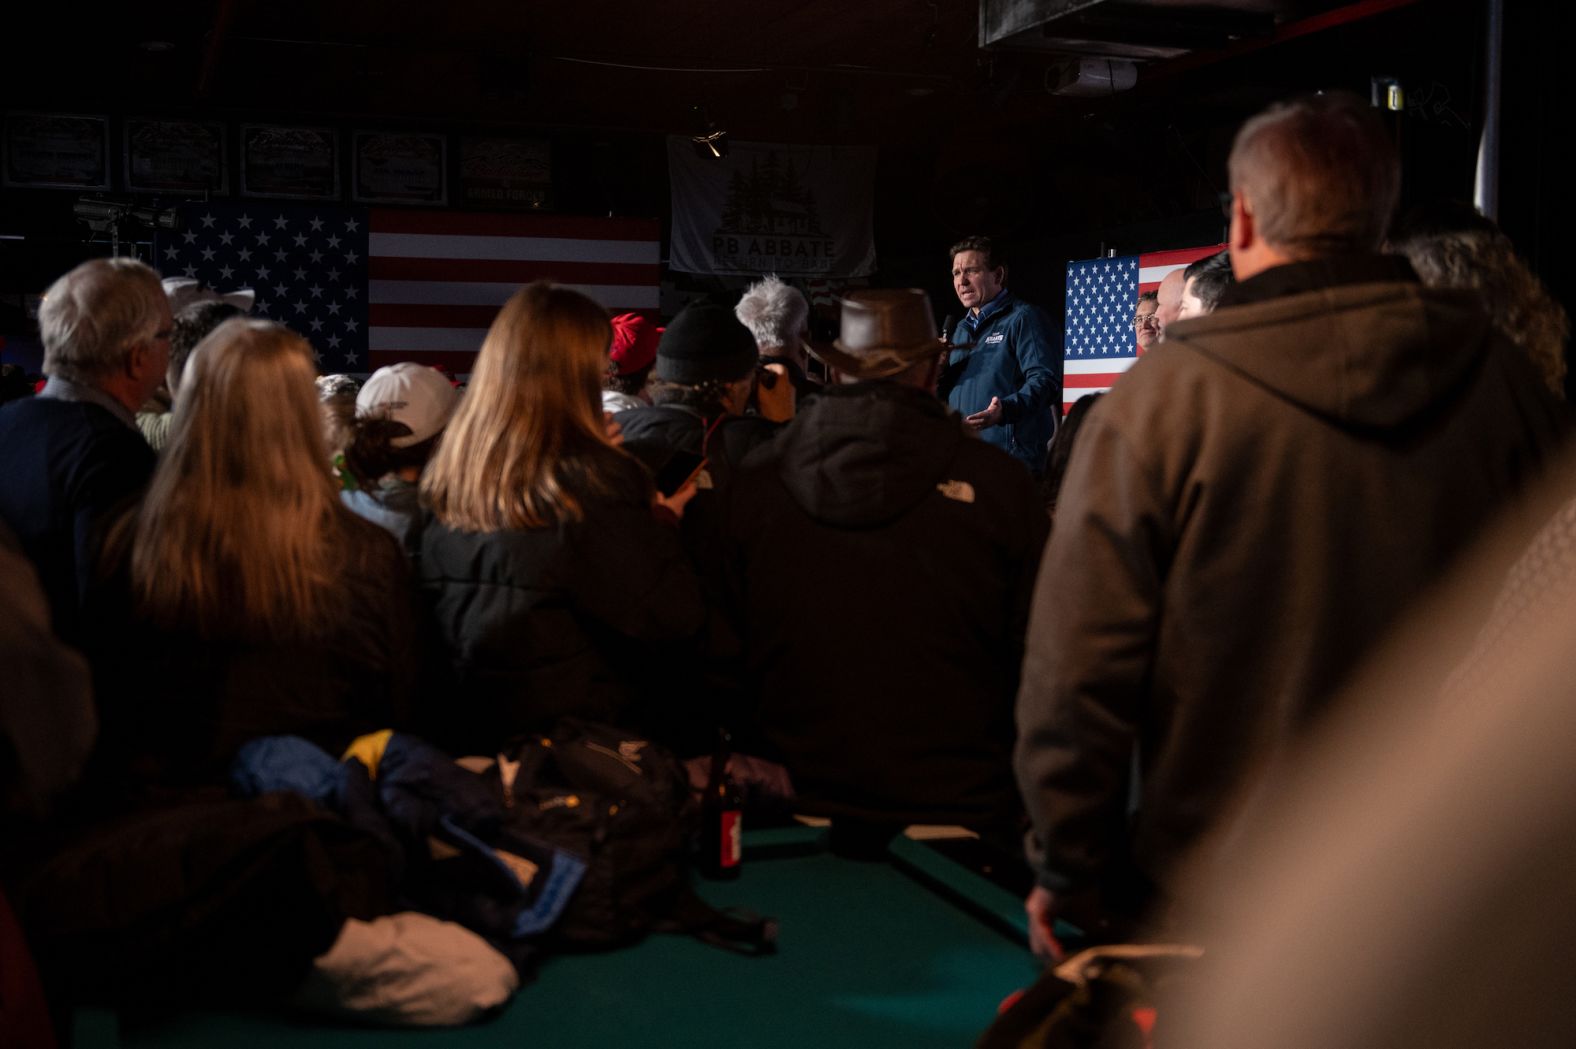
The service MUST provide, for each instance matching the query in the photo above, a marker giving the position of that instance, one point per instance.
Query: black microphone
(947, 324)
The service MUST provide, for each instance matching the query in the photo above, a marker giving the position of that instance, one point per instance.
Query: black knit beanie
(705, 343)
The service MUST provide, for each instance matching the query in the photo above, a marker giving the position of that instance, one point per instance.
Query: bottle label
(731, 840)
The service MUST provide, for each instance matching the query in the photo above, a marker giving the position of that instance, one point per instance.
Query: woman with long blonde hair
(550, 567)
(240, 597)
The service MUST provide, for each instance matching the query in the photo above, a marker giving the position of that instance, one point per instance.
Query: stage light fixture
(712, 142)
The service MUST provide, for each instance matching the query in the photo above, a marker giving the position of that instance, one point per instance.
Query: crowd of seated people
(843, 576)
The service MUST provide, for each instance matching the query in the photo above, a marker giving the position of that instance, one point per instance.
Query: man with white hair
(778, 316)
(1249, 511)
(73, 453)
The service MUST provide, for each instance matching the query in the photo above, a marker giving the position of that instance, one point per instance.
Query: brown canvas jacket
(1245, 514)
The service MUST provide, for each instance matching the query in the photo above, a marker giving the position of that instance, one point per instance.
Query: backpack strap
(732, 929)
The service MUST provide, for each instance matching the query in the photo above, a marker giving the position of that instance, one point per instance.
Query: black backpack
(623, 803)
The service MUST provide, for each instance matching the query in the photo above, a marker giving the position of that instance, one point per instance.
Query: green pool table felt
(913, 951)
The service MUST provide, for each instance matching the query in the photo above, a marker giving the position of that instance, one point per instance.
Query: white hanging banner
(763, 208)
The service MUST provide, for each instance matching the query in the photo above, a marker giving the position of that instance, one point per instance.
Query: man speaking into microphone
(1002, 374)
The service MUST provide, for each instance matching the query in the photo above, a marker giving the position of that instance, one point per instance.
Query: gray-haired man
(73, 453)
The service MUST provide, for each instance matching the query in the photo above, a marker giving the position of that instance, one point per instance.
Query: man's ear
(1243, 232)
(141, 361)
(136, 360)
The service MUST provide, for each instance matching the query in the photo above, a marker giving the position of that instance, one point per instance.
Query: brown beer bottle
(722, 817)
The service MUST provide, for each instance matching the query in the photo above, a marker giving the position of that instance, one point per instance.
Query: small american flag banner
(369, 287)
(1102, 294)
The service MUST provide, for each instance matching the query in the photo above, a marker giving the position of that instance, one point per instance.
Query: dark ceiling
(971, 137)
(815, 70)
(957, 98)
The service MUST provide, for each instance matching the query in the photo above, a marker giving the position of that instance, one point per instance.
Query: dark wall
(1142, 171)
(1536, 207)
(1062, 179)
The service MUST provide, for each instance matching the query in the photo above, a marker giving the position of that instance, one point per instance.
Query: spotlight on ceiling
(712, 142)
(714, 145)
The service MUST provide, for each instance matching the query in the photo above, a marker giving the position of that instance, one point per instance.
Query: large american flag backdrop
(1099, 343)
(371, 286)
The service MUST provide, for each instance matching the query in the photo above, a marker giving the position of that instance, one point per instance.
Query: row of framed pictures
(293, 162)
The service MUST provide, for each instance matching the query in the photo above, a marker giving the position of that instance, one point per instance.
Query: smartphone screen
(679, 468)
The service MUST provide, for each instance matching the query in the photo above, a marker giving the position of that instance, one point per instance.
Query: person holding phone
(550, 567)
(700, 388)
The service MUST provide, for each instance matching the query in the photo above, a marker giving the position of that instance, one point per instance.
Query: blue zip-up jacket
(1012, 357)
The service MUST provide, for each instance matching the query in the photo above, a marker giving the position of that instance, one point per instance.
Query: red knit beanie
(634, 343)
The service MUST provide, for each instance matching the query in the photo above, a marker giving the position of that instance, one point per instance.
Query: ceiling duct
(1091, 76)
(1132, 30)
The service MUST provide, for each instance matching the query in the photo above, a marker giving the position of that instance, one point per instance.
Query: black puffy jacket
(583, 617)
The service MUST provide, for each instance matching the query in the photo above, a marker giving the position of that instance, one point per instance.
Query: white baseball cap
(409, 393)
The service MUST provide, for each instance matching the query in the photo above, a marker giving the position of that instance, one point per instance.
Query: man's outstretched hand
(991, 416)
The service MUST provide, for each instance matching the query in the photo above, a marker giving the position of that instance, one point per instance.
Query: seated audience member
(241, 599)
(192, 325)
(1452, 246)
(778, 316)
(704, 373)
(47, 730)
(47, 721)
(71, 454)
(1248, 512)
(700, 389)
(400, 415)
(337, 404)
(550, 570)
(1146, 322)
(1203, 284)
(878, 562)
(629, 359)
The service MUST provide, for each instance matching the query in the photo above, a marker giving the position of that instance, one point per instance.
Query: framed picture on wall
(400, 168)
(175, 156)
(60, 150)
(298, 163)
(507, 172)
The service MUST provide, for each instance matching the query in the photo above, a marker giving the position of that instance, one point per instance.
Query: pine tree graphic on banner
(771, 200)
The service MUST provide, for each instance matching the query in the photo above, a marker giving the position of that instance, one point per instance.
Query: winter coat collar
(1297, 277)
(1364, 354)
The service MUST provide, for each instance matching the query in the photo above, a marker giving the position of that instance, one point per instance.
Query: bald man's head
(1170, 297)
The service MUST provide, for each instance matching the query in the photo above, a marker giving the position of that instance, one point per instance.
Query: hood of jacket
(1372, 355)
(860, 456)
